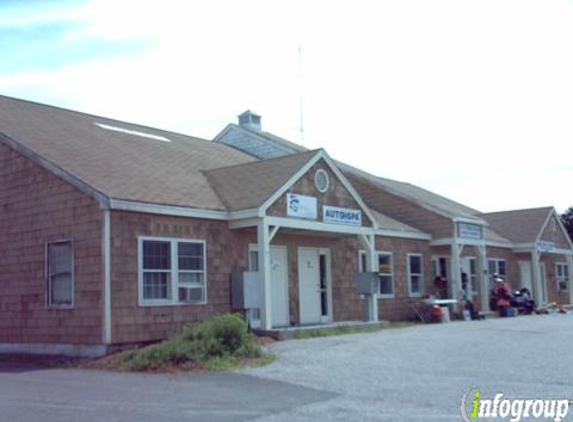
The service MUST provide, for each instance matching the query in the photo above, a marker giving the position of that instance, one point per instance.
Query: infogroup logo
(474, 406)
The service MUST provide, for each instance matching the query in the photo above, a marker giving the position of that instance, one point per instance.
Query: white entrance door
(526, 281)
(279, 286)
(314, 285)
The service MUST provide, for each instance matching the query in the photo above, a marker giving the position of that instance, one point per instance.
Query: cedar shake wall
(336, 195)
(37, 207)
(398, 308)
(511, 266)
(553, 294)
(553, 233)
(404, 210)
(226, 251)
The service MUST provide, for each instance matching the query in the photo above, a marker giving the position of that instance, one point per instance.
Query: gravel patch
(421, 372)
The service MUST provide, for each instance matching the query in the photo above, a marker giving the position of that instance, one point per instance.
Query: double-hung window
(562, 276)
(60, 274)
(385, 272)
(496, 266)
(172, 271)
(415, 275)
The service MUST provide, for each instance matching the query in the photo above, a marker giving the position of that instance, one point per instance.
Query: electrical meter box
(245, 290)
(367, 283)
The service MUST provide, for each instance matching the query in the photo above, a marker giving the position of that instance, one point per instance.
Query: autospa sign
(339, 215)
(474, 407)
(301, 206)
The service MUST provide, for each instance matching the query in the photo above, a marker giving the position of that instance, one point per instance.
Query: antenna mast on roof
(301, 99)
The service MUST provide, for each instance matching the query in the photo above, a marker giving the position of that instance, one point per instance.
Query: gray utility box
(245, 290)
(367, 283)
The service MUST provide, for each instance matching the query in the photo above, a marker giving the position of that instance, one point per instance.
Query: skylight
(133, 132)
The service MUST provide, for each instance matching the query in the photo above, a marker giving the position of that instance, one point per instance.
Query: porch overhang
(298, 224)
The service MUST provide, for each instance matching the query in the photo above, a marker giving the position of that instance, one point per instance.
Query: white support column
(264, 250)
(369, 243)
(483, 278)
(537, 287)
(455, 269)
(569, 258)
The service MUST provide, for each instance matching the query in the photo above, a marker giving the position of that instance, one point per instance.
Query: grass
(349, 329)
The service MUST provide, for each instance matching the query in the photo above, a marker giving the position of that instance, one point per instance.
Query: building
(529, 248)
(114, 234)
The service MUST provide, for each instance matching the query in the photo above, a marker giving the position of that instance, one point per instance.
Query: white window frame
(175, 285)
(47, 274)
(378, 253)
(410, 274)
(496, 271)
(564, 277)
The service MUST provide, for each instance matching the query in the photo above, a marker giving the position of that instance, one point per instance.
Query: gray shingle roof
(247, 186)
(120, 165)
(277, 146)
(519, 226)
(388, 223)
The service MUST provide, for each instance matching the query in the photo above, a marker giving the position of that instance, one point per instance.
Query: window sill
(167, 304)
(416, 295)
(61, 307)
(381, 296)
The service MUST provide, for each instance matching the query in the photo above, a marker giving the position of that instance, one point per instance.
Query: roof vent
(250, 120)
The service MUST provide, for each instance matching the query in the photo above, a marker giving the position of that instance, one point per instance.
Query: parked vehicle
(522, 301)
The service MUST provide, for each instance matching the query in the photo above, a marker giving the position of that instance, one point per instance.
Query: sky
(470, 99)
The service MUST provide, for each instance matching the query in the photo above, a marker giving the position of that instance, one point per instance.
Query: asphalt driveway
(412, 374)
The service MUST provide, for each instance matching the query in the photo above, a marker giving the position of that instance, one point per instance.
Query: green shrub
(223, 338)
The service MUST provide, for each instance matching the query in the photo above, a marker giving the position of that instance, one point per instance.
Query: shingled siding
(37, 207)
(553, 233)
(553, 293)
(398, 308)
(226, 250)
(337, 195)
(403, 210)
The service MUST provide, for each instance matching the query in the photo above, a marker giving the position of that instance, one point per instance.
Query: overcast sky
(470, 99)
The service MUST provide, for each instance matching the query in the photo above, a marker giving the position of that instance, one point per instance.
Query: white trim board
(320, 154)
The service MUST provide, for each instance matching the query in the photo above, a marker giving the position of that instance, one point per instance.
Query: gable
(554, 233)
(337, 194)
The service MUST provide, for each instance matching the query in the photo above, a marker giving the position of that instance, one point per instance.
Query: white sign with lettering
(470, 231)
(339, 215)
(543, 246)
(301, 206)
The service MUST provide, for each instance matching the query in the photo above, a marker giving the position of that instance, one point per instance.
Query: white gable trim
(321, 154)
(553, 214)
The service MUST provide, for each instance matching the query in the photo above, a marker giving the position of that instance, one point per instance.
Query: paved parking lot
(412, 374)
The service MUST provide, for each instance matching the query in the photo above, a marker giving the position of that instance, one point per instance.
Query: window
(562, 276)
(385, 271)
(415, 275)
(321, 180)
(386, 274)
(496, 266)
(60, 274)
(172, 271)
